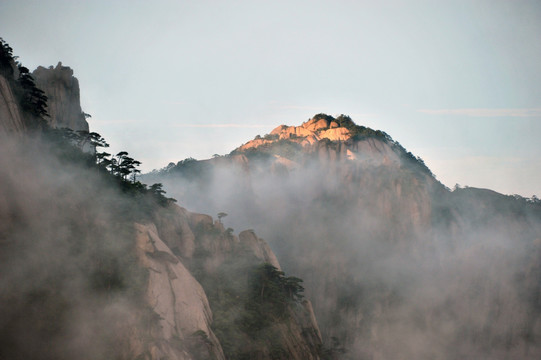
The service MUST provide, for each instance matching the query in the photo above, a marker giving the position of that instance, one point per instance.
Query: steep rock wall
(176, 245)
(62, 91)
(177, 299)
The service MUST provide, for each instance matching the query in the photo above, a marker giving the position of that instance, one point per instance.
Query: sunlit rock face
(397, 266)
(62, 91)
(308, 133)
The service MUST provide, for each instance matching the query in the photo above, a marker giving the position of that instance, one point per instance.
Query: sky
(456, 82)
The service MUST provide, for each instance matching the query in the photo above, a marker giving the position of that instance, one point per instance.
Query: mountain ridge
(322, 135)
(392, 258)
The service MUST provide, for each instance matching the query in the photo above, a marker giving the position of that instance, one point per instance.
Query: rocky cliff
(63, 97)
(178, 302)
(177, 244)
(49, 97)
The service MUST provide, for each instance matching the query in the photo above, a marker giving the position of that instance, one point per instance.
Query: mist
(70, 285)
(396, 265)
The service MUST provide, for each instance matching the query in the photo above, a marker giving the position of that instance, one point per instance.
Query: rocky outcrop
(260, 249)
(327, 141)
(177, 300)
(308, 133)
(63, 101)
(62, 91)
(174, 229)
(176, 245)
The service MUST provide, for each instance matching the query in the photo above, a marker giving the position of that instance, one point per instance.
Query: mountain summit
(354, 142)
(320, 127)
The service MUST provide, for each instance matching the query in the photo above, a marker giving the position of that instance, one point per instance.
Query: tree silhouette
(6, 58)
(221, 215)
(102, 161)
(123, 165)
(157, 189)
(92, 139)
(33, 99)
(159, 194)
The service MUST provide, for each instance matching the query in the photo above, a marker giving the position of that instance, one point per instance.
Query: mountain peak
(319, 127)
(330, 138)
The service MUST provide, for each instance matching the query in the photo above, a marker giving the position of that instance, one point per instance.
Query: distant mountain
(397, 265)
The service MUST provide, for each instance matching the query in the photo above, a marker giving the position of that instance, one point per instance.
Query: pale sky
(456, 82)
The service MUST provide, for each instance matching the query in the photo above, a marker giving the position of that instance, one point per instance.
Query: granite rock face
(183, 316)
(63, 100)
(259, 247)
(177, 299)
(309, 133)
(62, 91)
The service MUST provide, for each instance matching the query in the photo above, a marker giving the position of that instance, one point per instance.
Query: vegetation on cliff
(31, 99)
(257, 308)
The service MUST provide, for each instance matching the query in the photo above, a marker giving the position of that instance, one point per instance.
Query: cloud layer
(481, 112)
